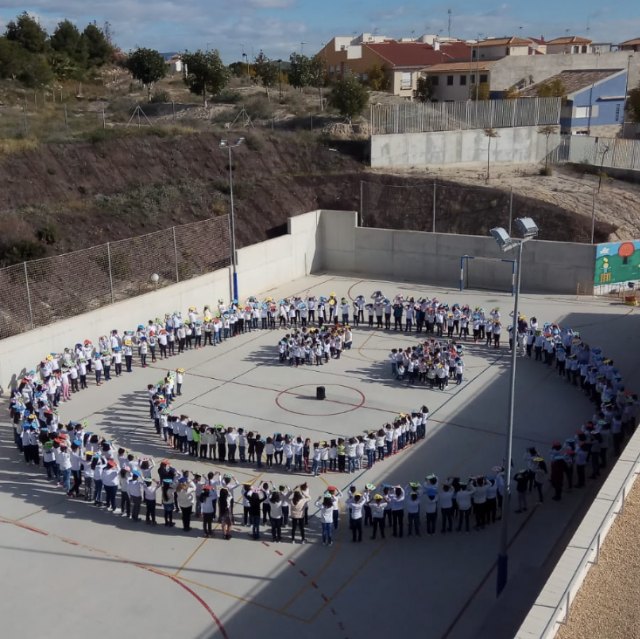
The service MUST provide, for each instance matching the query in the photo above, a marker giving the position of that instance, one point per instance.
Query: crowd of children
(314, 346)
(90, 467)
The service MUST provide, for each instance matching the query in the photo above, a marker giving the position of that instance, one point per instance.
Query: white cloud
(271, 4)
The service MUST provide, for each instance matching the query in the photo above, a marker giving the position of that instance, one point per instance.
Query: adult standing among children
(186, 493)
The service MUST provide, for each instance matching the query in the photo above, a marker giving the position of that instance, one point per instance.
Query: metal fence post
(361, 203)
(175, 252)
(510, 208)
(110, 272)
(26, 279)
(433, 225)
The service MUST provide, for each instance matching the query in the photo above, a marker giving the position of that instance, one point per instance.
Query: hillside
(62, 197)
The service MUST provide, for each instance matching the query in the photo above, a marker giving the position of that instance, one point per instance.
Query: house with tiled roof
(569, 45)
(593, 100)
(453, 81)
(496, 48)
(630, 45)
(402, 61)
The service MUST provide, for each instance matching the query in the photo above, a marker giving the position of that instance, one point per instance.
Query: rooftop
(506, 41)
(570, 40)
(630, 43)
(417, 54)
(484, 65)
(573, 81)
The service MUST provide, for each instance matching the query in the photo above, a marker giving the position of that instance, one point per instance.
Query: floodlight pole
(503, 557)
(232, 217)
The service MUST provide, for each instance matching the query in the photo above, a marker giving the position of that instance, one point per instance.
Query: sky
(280, 27)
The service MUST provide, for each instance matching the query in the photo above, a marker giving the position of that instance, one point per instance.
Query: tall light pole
(224, 144)
(528, 229)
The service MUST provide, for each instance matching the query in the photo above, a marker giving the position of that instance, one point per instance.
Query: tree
(378, 78)
(633, 104)
(317, 76)
(625, 251)
(205, 73)
(35, 71)
(552, 89)
(99, 49)
(299, 71)
(480, 91)
(68, 41)
(11, 56)
(490, 134)
(147, 66)
(267, 70)
(424, 89)
(547, 131)
(349, 97)
(238, 69)
(26, 31)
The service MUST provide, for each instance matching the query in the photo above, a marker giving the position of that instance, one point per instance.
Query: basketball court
(76, 570)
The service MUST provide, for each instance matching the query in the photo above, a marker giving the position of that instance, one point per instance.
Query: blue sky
(280, 26)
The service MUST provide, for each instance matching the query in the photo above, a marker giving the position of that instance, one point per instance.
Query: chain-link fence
(445, 207)
(43, 291)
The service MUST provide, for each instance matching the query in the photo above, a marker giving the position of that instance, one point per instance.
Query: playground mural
(617, 262)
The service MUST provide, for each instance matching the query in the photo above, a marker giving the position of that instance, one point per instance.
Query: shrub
(160, 97)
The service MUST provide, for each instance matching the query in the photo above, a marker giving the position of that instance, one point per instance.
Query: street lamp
(529, 230)
(224, 144)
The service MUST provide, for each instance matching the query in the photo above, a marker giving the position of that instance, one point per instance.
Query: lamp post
(528, 229)
(224, 144)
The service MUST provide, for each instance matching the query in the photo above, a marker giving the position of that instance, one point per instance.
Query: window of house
(463, 80)
(584, 49)
(405, 80)
(586, 111)
(473, 78)
(435, 80)
(484, 78)
(449, 80)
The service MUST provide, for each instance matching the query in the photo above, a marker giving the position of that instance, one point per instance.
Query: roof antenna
(449, 12)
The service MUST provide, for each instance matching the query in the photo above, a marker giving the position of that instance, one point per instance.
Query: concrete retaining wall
(517, 145)
(434, 258)
(319, 240)
(261, 267)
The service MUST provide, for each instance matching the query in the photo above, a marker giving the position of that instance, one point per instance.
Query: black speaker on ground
(320, 392)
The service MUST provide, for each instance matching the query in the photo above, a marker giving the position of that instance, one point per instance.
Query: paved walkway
(154, 581)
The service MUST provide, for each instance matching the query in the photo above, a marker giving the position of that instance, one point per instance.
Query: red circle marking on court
(352, 407)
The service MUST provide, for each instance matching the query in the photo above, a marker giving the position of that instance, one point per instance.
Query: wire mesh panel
(202, 247)
(137, 260)
(15, 316)
(43, 291)
(66, 285)
(458, 209)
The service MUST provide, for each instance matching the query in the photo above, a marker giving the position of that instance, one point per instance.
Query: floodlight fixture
(502, 238)
(526, 227)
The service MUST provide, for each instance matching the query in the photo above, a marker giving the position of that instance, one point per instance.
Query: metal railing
(614, 153)
(40, 292)
(418, 117)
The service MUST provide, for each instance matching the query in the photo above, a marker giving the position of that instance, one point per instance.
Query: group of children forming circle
(80, 461)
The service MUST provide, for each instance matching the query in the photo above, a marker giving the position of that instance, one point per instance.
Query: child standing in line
(325, 512)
